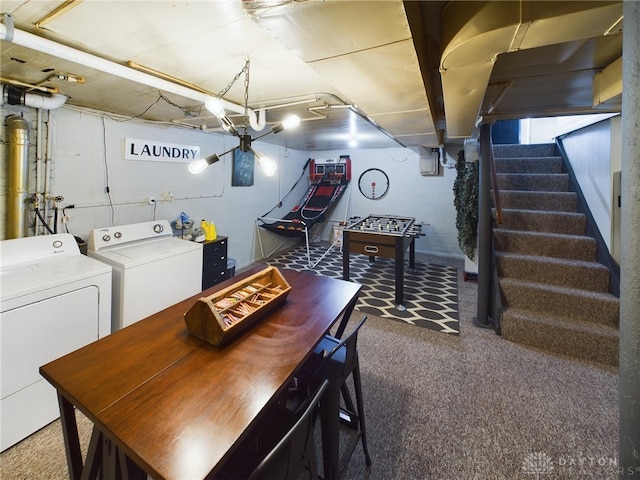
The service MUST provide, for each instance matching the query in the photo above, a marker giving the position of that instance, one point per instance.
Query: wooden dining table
(169, 405)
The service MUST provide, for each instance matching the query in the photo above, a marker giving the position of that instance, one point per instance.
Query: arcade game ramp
(315, 203)
(328, 180)
(297, 213)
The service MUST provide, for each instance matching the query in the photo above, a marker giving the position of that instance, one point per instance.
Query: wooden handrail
(494, 185)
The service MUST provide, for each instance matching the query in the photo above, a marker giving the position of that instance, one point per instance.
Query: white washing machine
(152, 270)
(54, 301)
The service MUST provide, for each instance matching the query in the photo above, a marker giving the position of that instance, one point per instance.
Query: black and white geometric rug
(430, 291)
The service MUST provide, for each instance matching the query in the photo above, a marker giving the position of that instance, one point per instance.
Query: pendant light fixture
(216, 107)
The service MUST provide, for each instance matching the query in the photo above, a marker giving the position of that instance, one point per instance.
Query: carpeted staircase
(555, 295)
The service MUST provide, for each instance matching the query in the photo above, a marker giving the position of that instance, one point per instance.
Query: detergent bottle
(209, 230)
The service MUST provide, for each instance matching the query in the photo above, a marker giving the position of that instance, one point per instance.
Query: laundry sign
(136, 149)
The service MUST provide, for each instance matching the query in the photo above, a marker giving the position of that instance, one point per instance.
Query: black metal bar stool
(337, 360)
(282, 447)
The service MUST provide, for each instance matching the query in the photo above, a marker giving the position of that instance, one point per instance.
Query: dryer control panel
(30, 250)
(100, 238)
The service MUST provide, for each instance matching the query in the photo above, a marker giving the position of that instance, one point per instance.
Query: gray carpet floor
(448, 407)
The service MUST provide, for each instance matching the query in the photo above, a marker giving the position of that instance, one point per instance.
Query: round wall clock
(373, 183)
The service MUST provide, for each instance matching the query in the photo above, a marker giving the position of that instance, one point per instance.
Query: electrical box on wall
(429, 161)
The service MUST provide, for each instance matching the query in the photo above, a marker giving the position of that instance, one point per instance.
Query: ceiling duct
(607, 85)
(475, 33)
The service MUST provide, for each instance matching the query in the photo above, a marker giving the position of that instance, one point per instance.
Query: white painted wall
(594, 154)
(546, 129)
(87, 154)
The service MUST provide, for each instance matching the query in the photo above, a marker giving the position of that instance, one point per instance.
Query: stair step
(542, 182)
(534, 200)
(555, 294)
(521, 150)
(554, 271)
(544, 221)
(564, 302)
(577, 247)
(529, 165)
(588, 341)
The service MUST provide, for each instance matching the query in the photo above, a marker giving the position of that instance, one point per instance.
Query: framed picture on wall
(242, 172)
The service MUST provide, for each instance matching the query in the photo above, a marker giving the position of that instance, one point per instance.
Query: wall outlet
(151, 200)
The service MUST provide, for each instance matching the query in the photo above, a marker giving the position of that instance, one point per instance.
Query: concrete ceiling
(378, 73)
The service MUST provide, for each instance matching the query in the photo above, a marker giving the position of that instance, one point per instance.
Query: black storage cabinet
(214, 261)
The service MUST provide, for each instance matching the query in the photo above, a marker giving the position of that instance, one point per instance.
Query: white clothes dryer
(54, 301)
(152, 269)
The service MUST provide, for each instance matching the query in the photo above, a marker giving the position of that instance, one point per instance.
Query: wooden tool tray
(218, 318)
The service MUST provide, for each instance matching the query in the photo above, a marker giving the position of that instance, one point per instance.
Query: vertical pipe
(629, 372)
(484, 229)
(40, 170)
(17, 174)
(39, 122)
(46, 194)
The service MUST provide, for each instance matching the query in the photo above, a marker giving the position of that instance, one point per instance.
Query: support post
(629, 372)
(484, 229)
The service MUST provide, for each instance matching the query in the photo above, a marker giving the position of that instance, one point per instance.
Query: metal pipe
(15, 96)
(18, 83)
(257, 121)
(60, 10)
(17, 175)
(44, 45)
(39, 149)
(47, 168)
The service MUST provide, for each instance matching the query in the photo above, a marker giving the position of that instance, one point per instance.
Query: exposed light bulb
(268, 165)
(291, 121)
(214, 105)
(198, 166)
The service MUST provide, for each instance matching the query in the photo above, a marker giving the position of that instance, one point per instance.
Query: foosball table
(386, 236)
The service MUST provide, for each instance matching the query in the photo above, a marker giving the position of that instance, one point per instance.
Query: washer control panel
(113, 236)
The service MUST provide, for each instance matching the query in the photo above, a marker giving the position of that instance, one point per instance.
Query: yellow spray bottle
(209, 229)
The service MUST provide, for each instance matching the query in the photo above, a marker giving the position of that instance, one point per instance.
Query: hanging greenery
(465, 191)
